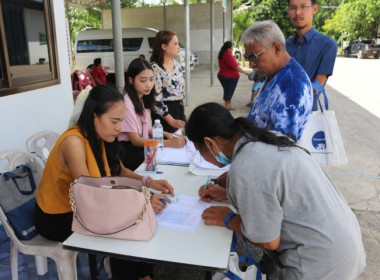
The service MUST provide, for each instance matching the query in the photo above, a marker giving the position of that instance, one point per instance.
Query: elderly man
(285, 99)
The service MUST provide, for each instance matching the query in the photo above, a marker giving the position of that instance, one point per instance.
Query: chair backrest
(9, 160)
(41, 143)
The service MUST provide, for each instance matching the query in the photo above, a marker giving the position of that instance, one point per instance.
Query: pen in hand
(161, 199)
(207, 182)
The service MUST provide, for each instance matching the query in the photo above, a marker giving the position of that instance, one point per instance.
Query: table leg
(93, 267)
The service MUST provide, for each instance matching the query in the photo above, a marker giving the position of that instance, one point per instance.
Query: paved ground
(354, 94)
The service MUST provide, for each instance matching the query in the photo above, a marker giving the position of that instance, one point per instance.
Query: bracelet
(228, 218)
(143, 180)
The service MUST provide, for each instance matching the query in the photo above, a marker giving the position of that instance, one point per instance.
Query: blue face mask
(221, 158)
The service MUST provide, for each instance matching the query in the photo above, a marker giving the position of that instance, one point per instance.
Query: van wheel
(360, 54)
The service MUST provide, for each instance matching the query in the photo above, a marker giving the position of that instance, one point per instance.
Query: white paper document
(184, 215)
(177, 156)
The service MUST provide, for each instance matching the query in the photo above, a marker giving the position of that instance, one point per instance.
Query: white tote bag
(321, 137)
(234, 272)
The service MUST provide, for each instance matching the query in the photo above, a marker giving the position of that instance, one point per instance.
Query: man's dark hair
(97, 61)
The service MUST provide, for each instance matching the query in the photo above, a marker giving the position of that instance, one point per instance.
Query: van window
(151, 42)
(132, 44)
(101, 45)
(106, 45)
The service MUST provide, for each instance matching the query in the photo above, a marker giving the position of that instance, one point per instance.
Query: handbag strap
(319, 89)
(139, 219)
(28, 173)
(244, 259)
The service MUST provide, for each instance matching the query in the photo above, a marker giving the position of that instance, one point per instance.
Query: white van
(91, 44)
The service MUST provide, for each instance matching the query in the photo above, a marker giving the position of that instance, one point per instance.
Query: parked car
(91, 44)
(181, 59)
(237, 53)
(362, 48)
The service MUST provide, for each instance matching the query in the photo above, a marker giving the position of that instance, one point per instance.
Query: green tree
(83, 20)
(275, 10)
(241, 21)
(355, 19)
(326, 11)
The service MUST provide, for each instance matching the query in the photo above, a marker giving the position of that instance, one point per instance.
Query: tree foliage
(83, 20)
(241, 22)
(355, 19)
(275, 10)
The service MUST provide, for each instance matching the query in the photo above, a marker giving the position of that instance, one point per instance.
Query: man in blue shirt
(284, 101)
(315, 51)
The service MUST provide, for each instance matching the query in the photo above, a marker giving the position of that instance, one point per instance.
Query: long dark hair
(162, 37)
(212, 119)
(98, 102)
(227, 45)
(136, 67)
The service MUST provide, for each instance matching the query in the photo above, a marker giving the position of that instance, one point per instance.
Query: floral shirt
(285, 104)
(169, 85)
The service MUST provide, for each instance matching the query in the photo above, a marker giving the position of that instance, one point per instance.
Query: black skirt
(131, 156)
(176, 110)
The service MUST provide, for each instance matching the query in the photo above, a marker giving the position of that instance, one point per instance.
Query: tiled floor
(27, 268)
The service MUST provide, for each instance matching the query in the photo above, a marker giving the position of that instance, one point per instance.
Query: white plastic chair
(37, 246)
(41, 143)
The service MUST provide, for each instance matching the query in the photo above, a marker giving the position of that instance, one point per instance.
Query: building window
(28, 54)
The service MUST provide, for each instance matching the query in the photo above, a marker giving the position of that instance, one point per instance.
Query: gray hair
(263, 32)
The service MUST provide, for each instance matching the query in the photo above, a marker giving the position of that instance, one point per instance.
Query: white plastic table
(207, 248)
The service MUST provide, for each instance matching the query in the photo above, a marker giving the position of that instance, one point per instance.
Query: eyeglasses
(303, 8)
(255, 57)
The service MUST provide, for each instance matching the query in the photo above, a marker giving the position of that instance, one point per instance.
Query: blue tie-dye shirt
(286, 103)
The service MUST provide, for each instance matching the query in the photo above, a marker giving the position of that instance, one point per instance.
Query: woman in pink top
(136, 127)
(228, 74)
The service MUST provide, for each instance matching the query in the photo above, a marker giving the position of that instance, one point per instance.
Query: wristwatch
(143, 180)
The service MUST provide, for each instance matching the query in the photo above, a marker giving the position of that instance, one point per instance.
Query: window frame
(18, 85)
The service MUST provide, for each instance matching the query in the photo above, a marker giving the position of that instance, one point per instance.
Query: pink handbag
(116, 207)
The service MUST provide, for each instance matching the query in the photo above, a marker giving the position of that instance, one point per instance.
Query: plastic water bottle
(158, 135)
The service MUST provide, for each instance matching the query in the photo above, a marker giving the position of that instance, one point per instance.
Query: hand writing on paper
(212, 192)
(159, 202)
(160, 185)
(175, 140)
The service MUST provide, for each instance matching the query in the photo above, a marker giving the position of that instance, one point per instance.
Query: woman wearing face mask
(284, 201)
(169, 81)
(136, 126)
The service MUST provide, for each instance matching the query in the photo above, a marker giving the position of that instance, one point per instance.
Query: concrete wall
(173, 18)
(24, 114)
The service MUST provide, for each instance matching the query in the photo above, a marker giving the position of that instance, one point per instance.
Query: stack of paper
(177, 156)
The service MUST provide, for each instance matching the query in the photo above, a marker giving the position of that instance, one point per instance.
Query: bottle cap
(157, 121)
